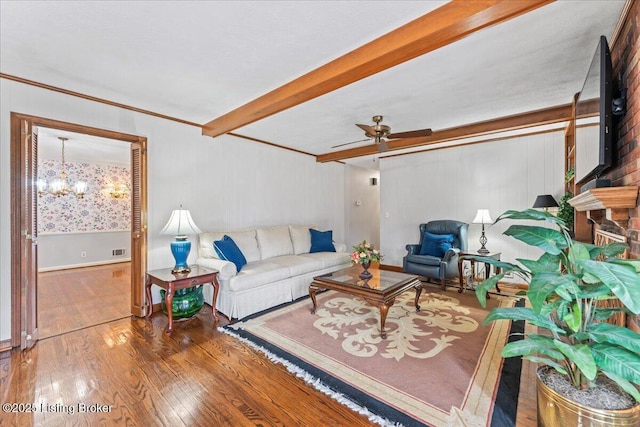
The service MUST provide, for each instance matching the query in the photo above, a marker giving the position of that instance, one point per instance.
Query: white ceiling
(198, 60)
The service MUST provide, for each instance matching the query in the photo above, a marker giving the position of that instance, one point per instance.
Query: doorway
(24, 219)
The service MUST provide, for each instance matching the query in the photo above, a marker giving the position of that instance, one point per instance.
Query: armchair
(431, 258)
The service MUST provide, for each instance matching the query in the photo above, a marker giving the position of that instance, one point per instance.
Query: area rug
(437, 367)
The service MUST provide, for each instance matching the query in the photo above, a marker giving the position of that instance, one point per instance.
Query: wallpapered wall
(97, 211)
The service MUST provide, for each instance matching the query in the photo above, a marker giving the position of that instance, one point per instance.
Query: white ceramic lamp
(180, 225)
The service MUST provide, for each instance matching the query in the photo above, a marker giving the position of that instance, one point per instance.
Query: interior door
(29, 236)
(138, 228)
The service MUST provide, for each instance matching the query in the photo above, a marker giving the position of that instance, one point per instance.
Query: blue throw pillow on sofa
(228, 250)
(436, 244)
(321, 241)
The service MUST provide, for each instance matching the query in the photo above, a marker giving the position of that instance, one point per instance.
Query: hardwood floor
(197, 376)
(74, 299)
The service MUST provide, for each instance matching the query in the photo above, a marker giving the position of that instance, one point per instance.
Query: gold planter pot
(555, 410)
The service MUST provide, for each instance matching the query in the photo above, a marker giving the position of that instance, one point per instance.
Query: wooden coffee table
(381, 290)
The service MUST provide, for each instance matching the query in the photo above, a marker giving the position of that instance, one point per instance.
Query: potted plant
(573, 341)
(565, 210)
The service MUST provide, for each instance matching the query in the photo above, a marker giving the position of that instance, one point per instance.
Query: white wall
(363, 220)
(454, 183)
(64, 250)
(226, 182)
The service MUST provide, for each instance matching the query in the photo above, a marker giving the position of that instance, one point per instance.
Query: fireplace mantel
(615, 201)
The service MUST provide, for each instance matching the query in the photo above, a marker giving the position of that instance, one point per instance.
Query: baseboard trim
(5, 346)
(89, 264)
(390, 268)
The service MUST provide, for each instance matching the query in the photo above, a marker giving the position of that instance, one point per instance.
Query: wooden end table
(171, 282)
(487, 267)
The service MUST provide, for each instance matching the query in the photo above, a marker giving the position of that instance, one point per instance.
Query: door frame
(23, 303)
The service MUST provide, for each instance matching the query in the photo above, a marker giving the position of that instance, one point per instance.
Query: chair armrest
(451, 255)
(413, 249)
(226, 269)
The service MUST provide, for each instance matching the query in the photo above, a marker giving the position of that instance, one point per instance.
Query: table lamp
(180, 225)
(545, 201)
(483, 217)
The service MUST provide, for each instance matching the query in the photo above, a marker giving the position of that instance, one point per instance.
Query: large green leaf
(610, 250)
(555, 365)
(578, 251)
(527, 347)
(547, 239)
(580, 354)
(544, 284)
(485, 285)
(635, 263)
(547, 263)
(522, 313)
(533, 215)
(608, 333)
(623, 280)
(626, 385)
(573, 319)
(617, 360)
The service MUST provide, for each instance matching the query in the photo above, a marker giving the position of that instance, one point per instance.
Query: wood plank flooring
(197, 376)
(73, 299)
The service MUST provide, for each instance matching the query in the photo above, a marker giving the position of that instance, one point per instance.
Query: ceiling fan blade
(411, 134)
(352, 142)
(382, 146)
(369, 130)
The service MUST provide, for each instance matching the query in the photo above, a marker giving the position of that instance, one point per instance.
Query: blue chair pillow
(228, 250)
(321, 241)
(436, 244)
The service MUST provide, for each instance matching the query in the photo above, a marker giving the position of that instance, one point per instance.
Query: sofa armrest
(340, 247)
(226, 269)
(413, 249)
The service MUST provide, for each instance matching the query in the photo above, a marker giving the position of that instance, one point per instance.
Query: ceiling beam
(546, 116)
(438, 28)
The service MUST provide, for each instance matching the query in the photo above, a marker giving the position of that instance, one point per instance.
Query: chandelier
(60, 187)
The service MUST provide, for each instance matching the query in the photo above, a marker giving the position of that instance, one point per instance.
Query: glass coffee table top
(382, 279)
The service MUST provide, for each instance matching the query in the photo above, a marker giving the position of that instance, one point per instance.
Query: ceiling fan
(382, 133)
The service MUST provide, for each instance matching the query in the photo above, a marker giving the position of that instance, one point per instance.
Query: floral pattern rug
(438, 366)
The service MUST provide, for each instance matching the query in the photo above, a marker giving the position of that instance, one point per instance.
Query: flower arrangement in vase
(365, 253)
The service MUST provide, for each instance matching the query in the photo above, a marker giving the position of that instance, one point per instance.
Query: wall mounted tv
(594, 131)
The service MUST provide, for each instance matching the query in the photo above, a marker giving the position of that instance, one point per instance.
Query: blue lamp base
(180, 249)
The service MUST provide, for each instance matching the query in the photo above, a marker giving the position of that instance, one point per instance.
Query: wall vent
(117, 252)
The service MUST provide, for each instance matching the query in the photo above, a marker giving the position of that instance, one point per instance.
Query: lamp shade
(180, 224)
(545, 201)
(482, 217)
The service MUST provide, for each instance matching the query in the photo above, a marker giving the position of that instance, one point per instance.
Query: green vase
(186, 302)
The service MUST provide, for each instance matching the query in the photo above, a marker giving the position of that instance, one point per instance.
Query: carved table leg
(460, 277)
(148, 292)
(418, 292)
(216, 288)
(384, 309)
(312, 294)
(169, 302)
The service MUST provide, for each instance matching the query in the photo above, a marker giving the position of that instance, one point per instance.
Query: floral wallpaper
(97, 211)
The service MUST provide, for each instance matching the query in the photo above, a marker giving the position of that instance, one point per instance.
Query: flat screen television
(594, 121)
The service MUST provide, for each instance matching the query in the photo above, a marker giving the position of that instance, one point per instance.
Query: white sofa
(279, 267)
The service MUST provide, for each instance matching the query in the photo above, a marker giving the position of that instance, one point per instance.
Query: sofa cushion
(424, 259)
(228, 250)
(329, 259)
(301, 238)
(245, 239)
(321, 241)
(436, 244)
(274, 241)
(256, 274)
(297, 265)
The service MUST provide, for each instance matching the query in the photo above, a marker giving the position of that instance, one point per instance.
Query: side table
(171, 282)
(487, 266)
